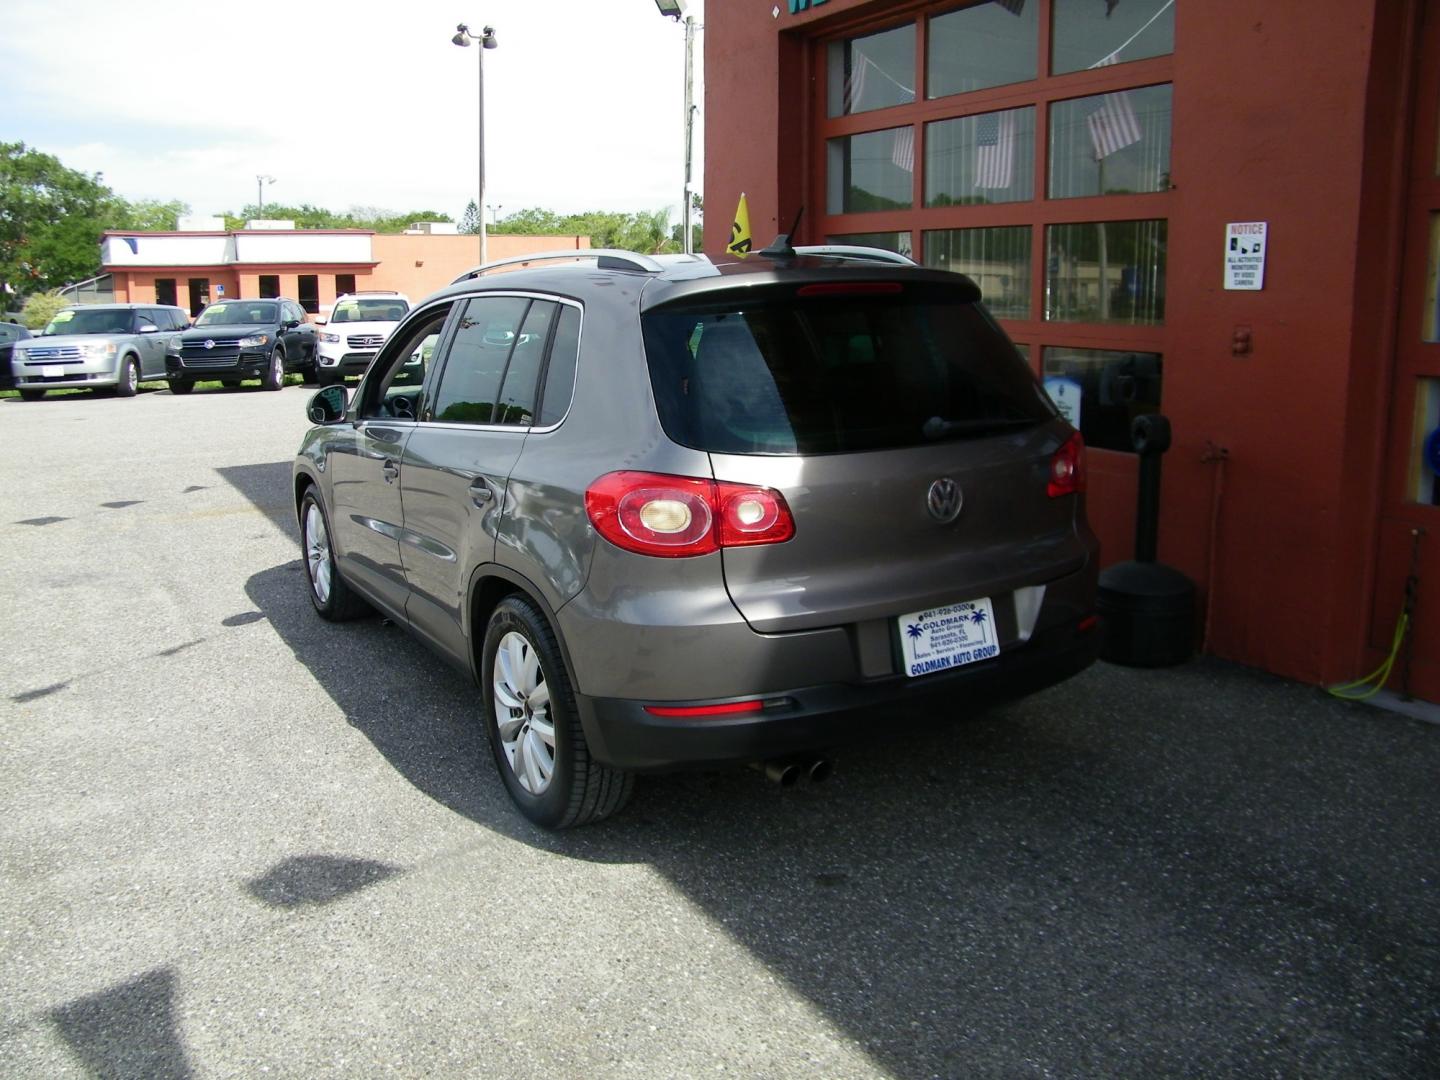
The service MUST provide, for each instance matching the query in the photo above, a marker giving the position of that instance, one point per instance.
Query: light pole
(260, 182)
(675, 9)
(463, 37)
(495, 213)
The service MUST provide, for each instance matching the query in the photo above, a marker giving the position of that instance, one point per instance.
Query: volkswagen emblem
(209, 343)
(944, 500)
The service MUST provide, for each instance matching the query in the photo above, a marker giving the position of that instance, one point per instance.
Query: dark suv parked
(243, 339)
(671, 514)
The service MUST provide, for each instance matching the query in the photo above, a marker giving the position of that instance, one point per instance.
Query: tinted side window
(517, 395)
(393, 385)
(560, 375)
(479, 354)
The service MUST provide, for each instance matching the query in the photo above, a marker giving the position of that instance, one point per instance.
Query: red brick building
(1085, 161)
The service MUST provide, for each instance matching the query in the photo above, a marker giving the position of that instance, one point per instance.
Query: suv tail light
(1067, 468)
(680, 516)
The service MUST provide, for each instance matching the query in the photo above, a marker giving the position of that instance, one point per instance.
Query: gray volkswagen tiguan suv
(673, 514)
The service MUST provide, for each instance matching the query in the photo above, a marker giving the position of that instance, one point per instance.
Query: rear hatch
(858, 401)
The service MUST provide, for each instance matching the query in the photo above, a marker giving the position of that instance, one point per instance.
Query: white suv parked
(357, 326)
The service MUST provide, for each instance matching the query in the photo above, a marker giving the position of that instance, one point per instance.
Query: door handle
(391, 471)
(481, 494)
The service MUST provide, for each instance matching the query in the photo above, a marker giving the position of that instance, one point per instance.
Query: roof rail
(605, 258)
(861, 254)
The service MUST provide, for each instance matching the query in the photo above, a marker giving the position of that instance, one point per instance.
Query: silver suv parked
(97, 346)
(673, 514)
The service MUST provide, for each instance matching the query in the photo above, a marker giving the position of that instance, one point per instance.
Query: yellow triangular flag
(740, 230)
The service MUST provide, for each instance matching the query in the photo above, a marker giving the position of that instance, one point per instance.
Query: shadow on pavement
(1194, 871)
(128, 1030)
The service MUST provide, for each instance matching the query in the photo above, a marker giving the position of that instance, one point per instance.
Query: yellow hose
(1352, 691)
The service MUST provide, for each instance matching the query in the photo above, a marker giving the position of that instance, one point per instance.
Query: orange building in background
(312, 266)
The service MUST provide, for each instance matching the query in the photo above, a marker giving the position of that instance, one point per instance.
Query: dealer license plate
(948, 637)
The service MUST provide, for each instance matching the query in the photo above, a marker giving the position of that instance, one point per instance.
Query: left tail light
(682, 516)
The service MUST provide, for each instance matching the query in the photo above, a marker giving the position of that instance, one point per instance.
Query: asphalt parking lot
(236, 840)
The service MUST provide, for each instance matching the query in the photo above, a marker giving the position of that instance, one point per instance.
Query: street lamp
(495, 213)
(260, 182)
(674, 9)
(463, 37)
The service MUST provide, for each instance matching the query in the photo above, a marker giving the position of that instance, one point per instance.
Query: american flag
(904, 153)
(995, 149)
(1113, 125)
(855, 84)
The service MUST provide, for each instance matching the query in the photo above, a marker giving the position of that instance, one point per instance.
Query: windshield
(237, 313)
(370, 309)
(833, 372)
(91, 321)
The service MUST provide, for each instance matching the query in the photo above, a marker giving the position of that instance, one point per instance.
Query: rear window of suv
(834, 369)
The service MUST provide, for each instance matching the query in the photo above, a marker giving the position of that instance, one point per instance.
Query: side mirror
(290, 324)
(320, 321)
(149, 328)
(327, 406)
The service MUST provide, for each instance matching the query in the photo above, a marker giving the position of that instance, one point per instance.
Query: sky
(361, 103)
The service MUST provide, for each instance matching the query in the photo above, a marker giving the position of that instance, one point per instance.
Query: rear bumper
(622, 734)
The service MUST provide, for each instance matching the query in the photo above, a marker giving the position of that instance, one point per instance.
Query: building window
(1089, 34)
(1106, 272)
(1111, 144)
(269, 286)
(998, 260)
(1102, 391)
(872, 72)
(309, 289)
(344, 284)
(989, 158)
(165, 290)
(873, 171)
(991, 44)
(898, 242)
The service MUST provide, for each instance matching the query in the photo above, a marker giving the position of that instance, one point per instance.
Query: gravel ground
(235, 840)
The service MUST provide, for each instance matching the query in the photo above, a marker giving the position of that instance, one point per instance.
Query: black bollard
(1147, 609)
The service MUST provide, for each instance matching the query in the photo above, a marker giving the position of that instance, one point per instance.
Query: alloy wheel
(522, 713)
(317, 552)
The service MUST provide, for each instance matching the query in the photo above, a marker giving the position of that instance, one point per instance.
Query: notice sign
(1245, 255)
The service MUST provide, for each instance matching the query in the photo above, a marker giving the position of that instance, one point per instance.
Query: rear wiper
(939, 428)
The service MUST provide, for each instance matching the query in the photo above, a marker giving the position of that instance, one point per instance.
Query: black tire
(579, 790)
(129, 381)
(180, 386)
(274, 377)
(31, 394)
(335, 600)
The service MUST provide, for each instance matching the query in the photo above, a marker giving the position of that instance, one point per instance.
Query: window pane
(1431, 329)
(517, 396)
(1101, 392)
(1106, 271)
(872, 72)
(1111, 144)
(998, 260)
(898, 242)
(989, 45)
(873, 171)
(560, 375)
(989, 158)
(1089, 34)
(470, 383)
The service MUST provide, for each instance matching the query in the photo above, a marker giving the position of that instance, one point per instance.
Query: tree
(40, 308)
(51, 218)
(150, 215)
(470, 220)
(306, 216)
